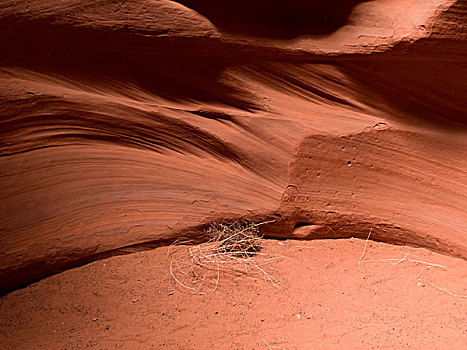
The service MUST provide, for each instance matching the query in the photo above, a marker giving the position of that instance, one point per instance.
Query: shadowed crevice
(279, 19)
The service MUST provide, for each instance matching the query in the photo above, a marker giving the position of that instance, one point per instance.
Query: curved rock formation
(127, 124)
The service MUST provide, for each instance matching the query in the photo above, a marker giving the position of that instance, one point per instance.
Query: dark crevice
(279, 19)
(301, 224)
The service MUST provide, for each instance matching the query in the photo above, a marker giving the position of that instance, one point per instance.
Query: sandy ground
(326, 300)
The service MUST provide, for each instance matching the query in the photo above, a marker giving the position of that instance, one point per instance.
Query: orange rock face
(124, 125)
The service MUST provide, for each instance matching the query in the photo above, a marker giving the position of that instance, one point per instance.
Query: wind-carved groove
(73, 124)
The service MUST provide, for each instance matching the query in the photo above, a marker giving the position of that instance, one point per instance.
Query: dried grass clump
(230, 248)
(241, 239)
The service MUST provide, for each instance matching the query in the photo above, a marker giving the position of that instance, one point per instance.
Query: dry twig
(364, 249)
(446, 291)
(270, 346)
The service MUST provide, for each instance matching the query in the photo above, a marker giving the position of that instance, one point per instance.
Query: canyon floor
(329, 294)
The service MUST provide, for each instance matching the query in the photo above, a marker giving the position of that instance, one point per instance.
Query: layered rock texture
(127, 124)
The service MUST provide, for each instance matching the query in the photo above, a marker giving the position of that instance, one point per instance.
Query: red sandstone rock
(128, 124)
